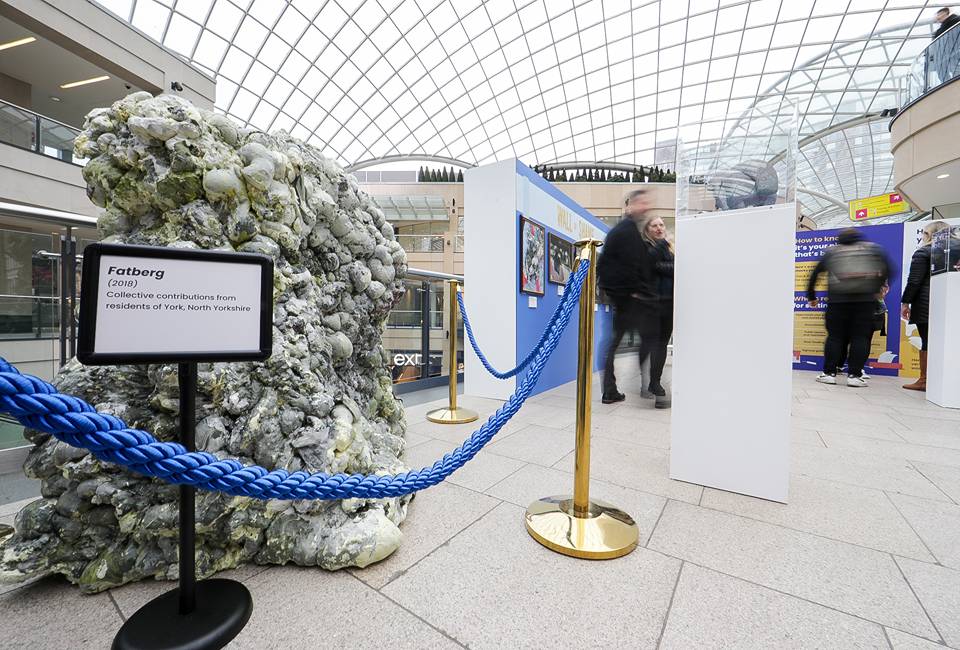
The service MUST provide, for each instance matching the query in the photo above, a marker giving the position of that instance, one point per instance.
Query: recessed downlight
(942, 176)
(19, 41)
(84, 82)
(54, 98)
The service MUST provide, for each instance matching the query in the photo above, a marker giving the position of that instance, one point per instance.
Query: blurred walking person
(626, 272)
(856, 272)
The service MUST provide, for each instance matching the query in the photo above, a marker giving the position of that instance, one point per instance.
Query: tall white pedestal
(943, 362)
(733, 341)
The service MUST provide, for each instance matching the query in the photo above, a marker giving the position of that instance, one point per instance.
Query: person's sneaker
(856, 382)
(646, 394)
(824, 378)
(657, 390)
(864, 375)
(613, 398)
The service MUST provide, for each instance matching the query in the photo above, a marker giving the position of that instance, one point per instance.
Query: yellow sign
(878, 206)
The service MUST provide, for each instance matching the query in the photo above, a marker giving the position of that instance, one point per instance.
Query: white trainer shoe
(824, 378)
(856, 382)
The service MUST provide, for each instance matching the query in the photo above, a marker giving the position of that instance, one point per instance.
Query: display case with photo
(560, 256)
(532, 257)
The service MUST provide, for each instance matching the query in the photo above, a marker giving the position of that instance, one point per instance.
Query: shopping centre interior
(436, 192)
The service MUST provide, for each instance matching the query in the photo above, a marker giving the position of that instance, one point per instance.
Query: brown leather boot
(921, 383)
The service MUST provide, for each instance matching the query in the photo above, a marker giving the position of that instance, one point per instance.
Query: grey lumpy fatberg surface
(170, 174)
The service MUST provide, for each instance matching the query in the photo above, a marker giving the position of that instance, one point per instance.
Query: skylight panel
(151, 18)
(181, 35)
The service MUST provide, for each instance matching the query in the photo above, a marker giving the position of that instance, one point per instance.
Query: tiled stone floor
(866, 554)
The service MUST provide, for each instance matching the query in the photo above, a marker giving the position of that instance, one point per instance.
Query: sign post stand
(162, 305)
(208, 614)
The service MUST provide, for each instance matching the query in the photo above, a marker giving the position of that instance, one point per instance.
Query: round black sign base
(222, 608)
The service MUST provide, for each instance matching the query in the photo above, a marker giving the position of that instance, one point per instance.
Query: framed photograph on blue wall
(533, 247)
(559, 259)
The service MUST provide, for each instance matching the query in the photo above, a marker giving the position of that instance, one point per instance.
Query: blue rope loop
(543, 338)
(38, 405)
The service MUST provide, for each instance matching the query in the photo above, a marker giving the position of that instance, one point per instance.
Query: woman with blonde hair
(915, 302)
(661, 257)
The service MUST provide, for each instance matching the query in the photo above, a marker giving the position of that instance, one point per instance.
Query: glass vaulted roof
(554, 81)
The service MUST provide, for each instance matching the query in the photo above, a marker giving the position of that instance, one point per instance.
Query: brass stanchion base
(452, 416)
(607, 532)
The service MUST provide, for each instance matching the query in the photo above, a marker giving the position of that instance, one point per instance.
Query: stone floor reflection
(864, 555)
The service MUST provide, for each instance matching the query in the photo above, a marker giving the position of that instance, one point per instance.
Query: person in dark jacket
(654, 234)
(915, 301)
(627, 274)
(943, 52)
(856, 271)
(946, 20)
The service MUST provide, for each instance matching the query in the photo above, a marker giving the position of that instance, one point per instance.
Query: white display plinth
(733, 342)
(943, 362)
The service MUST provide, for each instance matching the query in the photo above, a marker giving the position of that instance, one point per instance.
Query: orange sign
(873, 207)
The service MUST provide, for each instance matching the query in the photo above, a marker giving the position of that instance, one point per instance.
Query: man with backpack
(856, 272)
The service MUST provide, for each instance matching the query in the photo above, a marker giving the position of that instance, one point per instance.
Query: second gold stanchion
(452, 414)
(573, 524)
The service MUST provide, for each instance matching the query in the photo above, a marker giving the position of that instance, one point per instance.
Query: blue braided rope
(38, 405)
(531, 355)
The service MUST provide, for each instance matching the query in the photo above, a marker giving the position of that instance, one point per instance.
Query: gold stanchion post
(452, 414)
(575, 525)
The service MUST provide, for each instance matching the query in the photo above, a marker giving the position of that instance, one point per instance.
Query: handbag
(880, 317)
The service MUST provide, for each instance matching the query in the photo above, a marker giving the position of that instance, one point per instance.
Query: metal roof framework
(597, 80)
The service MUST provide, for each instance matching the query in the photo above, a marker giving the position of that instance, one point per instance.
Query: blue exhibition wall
(541, 202)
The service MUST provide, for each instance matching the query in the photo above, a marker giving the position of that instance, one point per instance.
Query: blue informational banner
(809, 333)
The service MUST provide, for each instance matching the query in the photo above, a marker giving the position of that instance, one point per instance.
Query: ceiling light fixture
(21, 41)
(54, 98)
(84, 82)
(942, 176)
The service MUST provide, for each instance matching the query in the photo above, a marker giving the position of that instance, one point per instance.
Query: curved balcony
(923, 134)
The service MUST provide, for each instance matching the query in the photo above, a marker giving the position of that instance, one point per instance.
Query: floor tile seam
(872, 488)
(919, 471)
(923, 607)
(508, 476)
(527, 460)
(904, 442)
(937, 560)
(433, 627)
(882, 551)
(116, 606)
(900, 457)
(628, 487)
(666, 614)
(867, 487)
(470, 524)
(663, 509)
(805, 599)
(886, 636)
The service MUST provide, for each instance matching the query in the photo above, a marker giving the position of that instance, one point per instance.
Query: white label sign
(171, 305)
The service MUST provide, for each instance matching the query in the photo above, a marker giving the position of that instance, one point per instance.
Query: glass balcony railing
(28, 130)
(937, 64)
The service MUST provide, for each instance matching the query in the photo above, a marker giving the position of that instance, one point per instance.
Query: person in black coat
(943, 52)
(626, 272)
(915, 301)
(654, 233)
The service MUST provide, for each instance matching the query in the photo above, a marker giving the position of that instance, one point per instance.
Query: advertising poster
(809, 333)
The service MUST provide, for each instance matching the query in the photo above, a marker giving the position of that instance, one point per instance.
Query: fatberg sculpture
(170, 174)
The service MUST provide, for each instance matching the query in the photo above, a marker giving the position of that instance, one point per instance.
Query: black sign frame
(90, 285)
